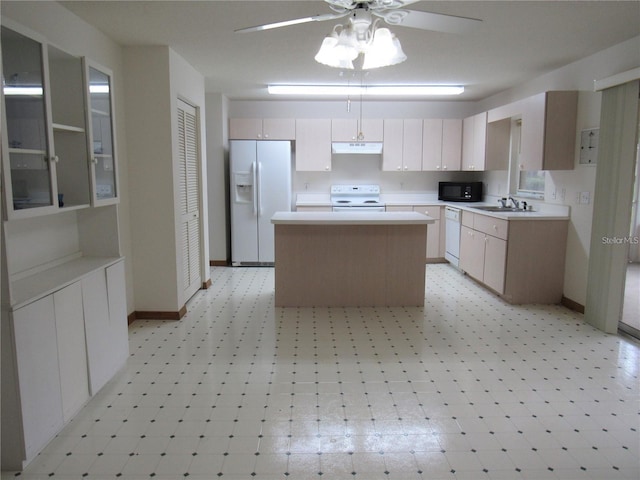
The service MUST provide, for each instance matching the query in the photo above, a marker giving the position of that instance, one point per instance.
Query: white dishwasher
(452, 234)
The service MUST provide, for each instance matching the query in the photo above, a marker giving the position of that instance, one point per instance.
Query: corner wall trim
(206, 285)
(572, 305)
(218, 263)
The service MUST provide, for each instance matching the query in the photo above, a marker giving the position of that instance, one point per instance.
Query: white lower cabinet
(522, 260)
(38, 372)
(435, 238)
(105, 323)
(72, 349)
(484, 256)
(56, 352)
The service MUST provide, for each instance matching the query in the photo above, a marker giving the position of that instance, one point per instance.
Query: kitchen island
(341, 259)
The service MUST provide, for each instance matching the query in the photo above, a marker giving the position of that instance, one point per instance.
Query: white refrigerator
(260, 185)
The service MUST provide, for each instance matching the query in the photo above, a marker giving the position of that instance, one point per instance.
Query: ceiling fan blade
(286, 23)
(430, 21)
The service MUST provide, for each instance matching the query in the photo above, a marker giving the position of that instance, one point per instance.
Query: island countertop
(351, 218)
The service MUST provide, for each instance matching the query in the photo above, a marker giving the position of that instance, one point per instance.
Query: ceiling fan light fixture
(379, 47)
(385, 50)
(336, 51)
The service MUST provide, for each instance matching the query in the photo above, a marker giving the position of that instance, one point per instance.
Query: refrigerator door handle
(260, 189)
(255, 186)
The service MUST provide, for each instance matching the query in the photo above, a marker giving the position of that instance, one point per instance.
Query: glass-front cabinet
(101, 139)
(58, 149)
(30, 172)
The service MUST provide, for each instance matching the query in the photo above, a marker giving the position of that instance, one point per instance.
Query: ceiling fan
(391, 11)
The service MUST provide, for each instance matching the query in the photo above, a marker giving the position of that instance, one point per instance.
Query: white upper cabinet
(313, 145)
(402, 150)
(549, 131)
(27, 141)
(351, 130)
(262, 129)
(102, 145)
(441, 144)
(59, 138)
(474, 138)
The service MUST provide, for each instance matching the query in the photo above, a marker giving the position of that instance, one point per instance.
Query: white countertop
(541, 211)
(350, 218)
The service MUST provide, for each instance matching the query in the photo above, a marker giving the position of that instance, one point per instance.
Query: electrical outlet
(563, 193)
(585, 198)
(554, 194)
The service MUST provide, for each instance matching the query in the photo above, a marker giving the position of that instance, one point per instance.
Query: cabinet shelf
(37, 285)
(59, 127)
(26, 151)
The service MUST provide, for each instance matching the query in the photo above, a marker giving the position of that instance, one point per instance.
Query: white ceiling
(517, 40)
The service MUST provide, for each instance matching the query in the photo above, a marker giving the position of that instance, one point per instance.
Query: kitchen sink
(501, 209)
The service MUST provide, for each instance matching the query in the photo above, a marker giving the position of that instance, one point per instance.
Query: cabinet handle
(266, 135)
(399, 168)
(259, 135)
(444, 168)
(327, 167)
(94, 160)
(437, 167)
(406, 168)
(55, 159)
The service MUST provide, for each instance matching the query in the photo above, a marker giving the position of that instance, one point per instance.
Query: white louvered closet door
(189, 197)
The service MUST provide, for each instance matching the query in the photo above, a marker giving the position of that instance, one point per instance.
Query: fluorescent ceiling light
(25, 91)
(373, 90)
(99, 88)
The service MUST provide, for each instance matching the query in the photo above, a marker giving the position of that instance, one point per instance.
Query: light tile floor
(467, 388)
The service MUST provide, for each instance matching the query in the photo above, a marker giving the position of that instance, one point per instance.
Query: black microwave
(460, 191)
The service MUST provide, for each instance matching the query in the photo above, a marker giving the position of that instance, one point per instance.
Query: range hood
(356, 147)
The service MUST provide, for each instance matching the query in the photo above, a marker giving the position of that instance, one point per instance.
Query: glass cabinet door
(101, 139)
(28, 136)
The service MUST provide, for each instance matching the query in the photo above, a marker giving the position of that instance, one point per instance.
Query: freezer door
(274, 191)
(243, 202)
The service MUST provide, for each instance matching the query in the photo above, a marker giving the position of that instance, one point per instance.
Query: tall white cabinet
(63, 337)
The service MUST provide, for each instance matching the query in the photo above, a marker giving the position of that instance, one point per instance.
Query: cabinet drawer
(432, 211)
(399, 208)
(491, 225)
(467, 219)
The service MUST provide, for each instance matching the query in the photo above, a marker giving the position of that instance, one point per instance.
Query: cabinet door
(313, 145)
(433, 230)
(412, 145)
(467, 143)
(392, 147)
(278, 129)
(30, 170)
(118, 314)
(451, 144)
(245, 128)
(495, 259)
(372, 130)
(98, 330)
(34, 327)
(344, 130)
(104, 171)
(532, 131)
(432, 144)
(472, 252)
(72, 350)
(69, 117)
(474, 137)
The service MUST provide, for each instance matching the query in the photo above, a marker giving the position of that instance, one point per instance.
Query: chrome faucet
(503, 202)
(515, 202)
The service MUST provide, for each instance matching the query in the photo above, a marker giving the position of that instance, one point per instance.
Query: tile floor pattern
(467, 388)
